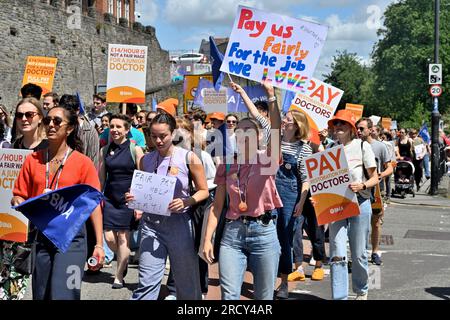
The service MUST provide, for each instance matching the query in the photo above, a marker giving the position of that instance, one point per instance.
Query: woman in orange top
(60, 165)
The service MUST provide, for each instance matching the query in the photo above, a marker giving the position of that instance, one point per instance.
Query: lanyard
(243, 195)
(158, 163)
(57, 173)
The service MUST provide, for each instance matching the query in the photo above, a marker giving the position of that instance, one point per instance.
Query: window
(111, 7)
(127, 10)
(119, 10)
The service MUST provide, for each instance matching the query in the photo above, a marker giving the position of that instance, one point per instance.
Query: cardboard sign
(127, 72)
(319, 104)
(356, 109)
(386, 123)
(153, 193)
(13, 224)
(40, 71)
(377, 205)
(329, 179)
(190, 88)
(267, 46)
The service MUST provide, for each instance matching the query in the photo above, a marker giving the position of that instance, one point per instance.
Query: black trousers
(57, 275)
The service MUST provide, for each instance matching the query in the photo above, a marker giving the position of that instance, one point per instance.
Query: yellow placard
(356, 109)
(190, 87)
(40, 71)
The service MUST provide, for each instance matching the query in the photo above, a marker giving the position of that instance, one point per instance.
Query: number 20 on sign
(435, 90)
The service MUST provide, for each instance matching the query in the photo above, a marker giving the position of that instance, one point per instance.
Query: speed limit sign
(435, 90)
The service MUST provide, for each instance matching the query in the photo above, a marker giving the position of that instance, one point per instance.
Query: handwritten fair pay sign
(329, 179)
(266, 46)
(319, 104)
(152, 193)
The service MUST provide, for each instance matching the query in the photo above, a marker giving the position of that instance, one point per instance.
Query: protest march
(248, 174)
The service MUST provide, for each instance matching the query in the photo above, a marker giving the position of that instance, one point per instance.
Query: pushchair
(404, 179)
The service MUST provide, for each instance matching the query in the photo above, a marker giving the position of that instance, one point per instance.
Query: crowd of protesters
(221, 170)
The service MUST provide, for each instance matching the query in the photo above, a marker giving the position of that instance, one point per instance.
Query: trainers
(361, 296)
(170, 297)
(318, 274)
(376, 259)
(117, 284)
(283, 291)
(296, 276)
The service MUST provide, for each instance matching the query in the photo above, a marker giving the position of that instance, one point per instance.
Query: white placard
(13, 224)
(152, 193)
(268, 46)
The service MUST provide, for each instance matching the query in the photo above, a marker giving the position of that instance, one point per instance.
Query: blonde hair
(302, 124)
(40, 110)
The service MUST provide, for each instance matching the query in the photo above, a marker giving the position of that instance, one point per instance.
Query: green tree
(351, 76)
(401, 58)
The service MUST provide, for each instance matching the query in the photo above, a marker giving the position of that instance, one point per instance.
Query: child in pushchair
(404, 179)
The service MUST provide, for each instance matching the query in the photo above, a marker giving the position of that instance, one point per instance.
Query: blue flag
(287, 102)
(424, 134)
(60, 214)
(154, 104)
(217, 58)
(82, 110)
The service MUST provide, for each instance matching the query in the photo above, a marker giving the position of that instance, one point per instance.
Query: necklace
(57, 175)
(243, 193)
(159, 161)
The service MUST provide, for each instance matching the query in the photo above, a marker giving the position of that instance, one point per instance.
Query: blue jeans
(288, 186)
(109, 254)
(251, 243)
(426, 165)
(356, 230)
(163, 236)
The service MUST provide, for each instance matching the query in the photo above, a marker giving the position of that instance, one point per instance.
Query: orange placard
(40, 71)
(386, 123)
(329, 179)
(377, 205)
(356, 109)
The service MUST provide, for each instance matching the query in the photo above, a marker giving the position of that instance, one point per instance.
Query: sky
(182, 24)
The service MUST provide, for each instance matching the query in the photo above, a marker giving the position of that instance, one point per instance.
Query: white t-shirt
(210, 169)
(355, 162)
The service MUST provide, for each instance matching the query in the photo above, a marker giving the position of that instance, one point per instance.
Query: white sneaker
(361, 296)
(170, 297)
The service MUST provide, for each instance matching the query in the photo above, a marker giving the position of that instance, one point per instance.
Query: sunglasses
(141, 117)
(231, 121)
(56, 121)
(29, 115)
(361, 128)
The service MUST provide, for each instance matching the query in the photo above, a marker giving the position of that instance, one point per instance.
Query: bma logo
(74, 20)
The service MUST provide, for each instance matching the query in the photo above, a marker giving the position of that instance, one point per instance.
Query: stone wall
(33, 27)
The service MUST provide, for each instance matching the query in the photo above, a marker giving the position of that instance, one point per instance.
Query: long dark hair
(73, 141)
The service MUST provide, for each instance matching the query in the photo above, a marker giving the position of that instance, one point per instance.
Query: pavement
(415, 252)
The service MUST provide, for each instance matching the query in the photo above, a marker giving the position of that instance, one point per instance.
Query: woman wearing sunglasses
(249, 236)
(362, 166)
(58, 166)
(30, 132)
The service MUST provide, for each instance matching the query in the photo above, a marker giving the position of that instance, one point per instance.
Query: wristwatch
(364, 186)
(272, 99)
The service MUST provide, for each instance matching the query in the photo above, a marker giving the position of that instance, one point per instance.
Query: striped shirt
(300, 150)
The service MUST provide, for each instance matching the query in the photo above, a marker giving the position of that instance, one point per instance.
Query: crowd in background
(103, 147)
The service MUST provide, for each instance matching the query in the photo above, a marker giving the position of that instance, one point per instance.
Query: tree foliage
(396, 84)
